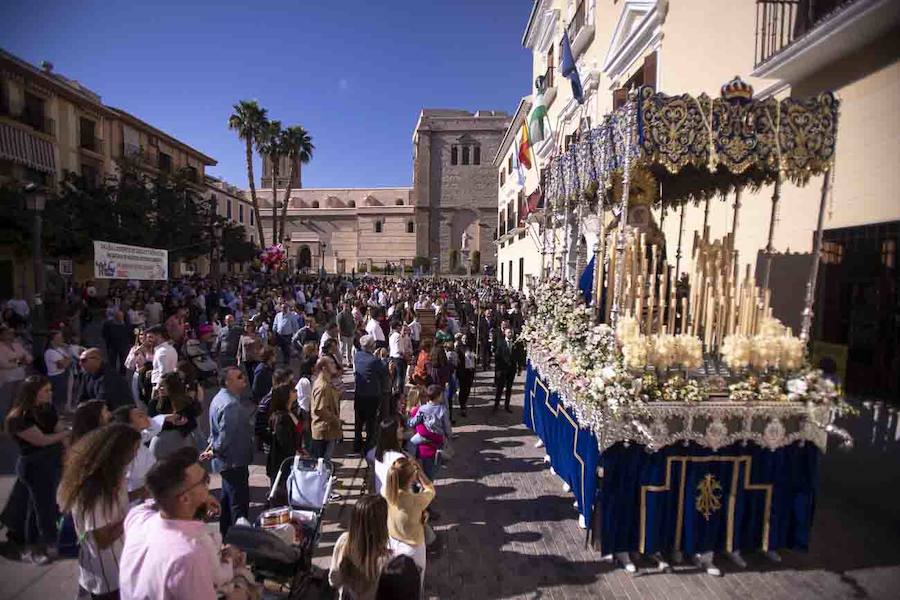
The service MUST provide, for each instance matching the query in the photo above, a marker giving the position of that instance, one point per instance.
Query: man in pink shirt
(165, 556)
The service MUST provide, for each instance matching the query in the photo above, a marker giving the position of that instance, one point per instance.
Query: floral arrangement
(273, 257)
(603, 373)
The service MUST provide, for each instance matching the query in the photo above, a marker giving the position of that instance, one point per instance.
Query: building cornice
(629, 42)
(134, 121)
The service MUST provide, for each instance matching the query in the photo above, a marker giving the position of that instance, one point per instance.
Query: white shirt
(325, 337)
(415, 330)
(304, 393)
(165, 360)
(136, 473)
(394, 345)
(382, 466)
(373, 328)
(98, 569)
(154, 312)
(51, 357)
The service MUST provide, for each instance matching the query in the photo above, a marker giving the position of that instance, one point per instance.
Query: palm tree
(297, 144)
(248, 120)
(269, 144)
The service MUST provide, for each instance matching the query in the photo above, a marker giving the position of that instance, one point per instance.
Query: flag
(531, 203)
(568, 68)
(525, 148)
(536, 119)
(520, 174)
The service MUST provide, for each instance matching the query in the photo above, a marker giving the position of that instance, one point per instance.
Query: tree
(248, 120)
(269, 144)
(297, 144)
(475, 262)
(235, 248)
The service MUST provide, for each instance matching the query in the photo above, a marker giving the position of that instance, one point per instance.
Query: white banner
(119, 261)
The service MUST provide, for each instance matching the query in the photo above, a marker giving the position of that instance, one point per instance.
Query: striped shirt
(98, 569)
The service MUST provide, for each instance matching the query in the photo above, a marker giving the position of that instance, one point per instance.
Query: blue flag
(568, 68)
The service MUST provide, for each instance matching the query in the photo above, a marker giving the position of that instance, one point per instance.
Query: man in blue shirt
(286, 324)
(371, 396)
(231, 446)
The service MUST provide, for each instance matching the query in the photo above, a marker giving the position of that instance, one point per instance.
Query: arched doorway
(304, 258)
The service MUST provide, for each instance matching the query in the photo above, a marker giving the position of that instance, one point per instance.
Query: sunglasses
(203, 480)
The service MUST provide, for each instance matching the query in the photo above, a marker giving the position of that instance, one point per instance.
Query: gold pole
(814, 268)
(623, 217)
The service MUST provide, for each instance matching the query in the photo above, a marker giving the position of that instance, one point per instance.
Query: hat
(204, 330)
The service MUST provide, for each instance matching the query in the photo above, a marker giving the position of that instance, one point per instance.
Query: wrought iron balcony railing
(780, 22)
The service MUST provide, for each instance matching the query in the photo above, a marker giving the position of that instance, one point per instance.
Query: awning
(24, 148)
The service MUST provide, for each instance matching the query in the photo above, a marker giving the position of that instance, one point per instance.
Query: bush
(422, 262)
(376, 269)
(362, 268)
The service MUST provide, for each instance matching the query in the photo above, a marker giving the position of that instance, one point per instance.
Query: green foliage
(163, 211)
(422, 262)
(235, 248)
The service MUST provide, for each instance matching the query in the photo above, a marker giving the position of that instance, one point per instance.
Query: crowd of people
(119, 438)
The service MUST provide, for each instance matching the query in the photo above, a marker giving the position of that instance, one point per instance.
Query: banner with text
(120, 261)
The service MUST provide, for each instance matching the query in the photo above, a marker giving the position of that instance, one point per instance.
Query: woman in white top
(93, 489)
(385, 452)
(136, 315)
(57, 360)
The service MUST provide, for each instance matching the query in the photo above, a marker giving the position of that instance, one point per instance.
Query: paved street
(507, 529)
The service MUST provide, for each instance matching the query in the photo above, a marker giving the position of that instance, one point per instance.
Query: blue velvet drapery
(682, 497)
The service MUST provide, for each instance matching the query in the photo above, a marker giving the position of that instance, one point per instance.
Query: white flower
(608, 372)
(797, 386)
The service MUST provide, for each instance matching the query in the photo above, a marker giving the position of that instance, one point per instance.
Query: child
(431, 423)
(229, 569)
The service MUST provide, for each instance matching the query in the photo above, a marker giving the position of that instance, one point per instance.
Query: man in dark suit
(504, 367)
(372, 390)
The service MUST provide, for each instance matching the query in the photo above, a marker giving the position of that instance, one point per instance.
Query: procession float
(669, 376)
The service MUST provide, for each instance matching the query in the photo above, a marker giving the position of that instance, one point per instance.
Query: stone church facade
(449, 212)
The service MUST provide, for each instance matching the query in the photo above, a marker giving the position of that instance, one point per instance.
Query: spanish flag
(525, 148)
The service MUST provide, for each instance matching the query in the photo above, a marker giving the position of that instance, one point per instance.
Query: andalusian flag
(536, 119)
(525, 148)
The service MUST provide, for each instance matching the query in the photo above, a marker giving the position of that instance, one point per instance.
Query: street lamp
(216, 266)
(322, 263)
(36, 201)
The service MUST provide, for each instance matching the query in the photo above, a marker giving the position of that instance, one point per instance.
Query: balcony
(91, 144)
(546, 85)
(38, 122)
(581, 28)
(795, 38)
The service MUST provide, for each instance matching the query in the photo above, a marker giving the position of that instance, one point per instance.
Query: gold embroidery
(709, 497)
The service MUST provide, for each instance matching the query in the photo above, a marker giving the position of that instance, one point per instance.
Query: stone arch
(372, 200)
(464, 220)
(351, 204)
(304, 257)
(399, 202)
(315, 204)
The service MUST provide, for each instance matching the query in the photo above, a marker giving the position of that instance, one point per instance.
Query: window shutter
(650, 70)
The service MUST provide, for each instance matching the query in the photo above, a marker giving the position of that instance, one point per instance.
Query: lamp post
(216, 266)
(36, 201)
(322, 263)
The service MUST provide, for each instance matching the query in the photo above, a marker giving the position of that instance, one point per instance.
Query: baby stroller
(273, 559)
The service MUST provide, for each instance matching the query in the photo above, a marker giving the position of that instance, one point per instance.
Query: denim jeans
(31, 510)
(322, 448)
(235, 497)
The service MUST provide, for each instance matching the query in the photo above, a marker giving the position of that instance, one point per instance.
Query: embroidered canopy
(697, 147)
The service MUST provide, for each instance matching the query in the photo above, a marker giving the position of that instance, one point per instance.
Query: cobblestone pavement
(506, 528)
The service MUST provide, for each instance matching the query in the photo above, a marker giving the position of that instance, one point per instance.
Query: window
(88, 139)
(465, 155)
(351, 204)
(888, 253)
(509, 164)
(379, 226)
(476, 155)
(191, 173)
(502, 222)
(510, 273)
(252, 239)
(91, 175)
(228, 209)
(454, 155)
(502, 178)
(252, 219)
(34, 113)
(646, 75)
(832, 253)
(214, 204)
(410, 227)
(240, 213)
(501, 273)
(164, 162)
(399, 202)
(521, 273)
(315, 204)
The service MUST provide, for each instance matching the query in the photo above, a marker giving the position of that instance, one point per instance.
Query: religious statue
(464, 245)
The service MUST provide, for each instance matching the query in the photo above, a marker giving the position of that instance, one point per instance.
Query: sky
(355, 74)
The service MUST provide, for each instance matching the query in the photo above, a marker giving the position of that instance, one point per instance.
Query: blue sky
(354, 73)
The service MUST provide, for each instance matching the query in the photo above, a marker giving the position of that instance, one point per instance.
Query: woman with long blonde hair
(360, 553)
(408, 492)
(94, 490)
